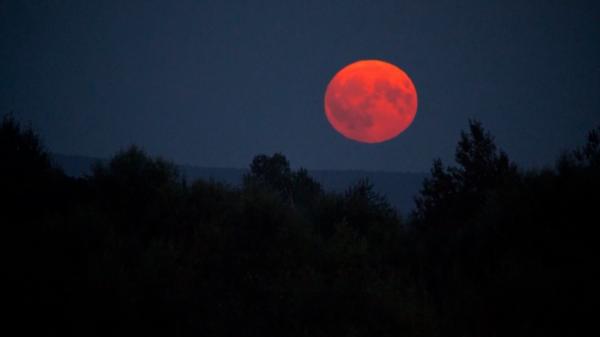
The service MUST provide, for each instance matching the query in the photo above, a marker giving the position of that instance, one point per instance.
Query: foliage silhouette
(453, 193)
(135, 249)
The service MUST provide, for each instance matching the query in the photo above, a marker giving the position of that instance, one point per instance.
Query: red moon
(370, 101)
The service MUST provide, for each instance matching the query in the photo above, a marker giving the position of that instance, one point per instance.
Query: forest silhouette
(133, 248)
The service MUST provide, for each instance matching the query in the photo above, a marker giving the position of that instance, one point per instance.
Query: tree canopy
(134, 248)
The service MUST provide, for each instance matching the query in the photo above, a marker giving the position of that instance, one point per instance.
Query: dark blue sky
(213, 83)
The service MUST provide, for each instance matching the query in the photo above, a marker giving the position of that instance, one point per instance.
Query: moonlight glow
(370, 101)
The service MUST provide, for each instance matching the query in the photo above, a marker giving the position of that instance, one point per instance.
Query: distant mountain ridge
(399, 188)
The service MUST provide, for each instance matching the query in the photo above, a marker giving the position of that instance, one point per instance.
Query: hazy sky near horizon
(213, 83)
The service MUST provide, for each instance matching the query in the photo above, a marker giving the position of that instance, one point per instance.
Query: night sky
(213, 83)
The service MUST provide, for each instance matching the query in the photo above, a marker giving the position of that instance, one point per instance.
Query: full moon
(370, 101)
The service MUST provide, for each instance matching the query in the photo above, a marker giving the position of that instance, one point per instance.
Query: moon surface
(370, 101)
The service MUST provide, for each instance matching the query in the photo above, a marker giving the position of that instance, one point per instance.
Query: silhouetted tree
(271, 171)
(26, 173)
(451, 195)
(274, 173)
(142, 194)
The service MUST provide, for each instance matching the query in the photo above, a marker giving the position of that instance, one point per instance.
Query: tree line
(134, 248)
